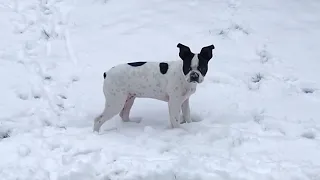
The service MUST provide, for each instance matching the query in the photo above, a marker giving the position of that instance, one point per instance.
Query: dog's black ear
(184, 51)
(206, 52)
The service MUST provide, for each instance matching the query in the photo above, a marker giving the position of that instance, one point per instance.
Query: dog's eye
(201, 69)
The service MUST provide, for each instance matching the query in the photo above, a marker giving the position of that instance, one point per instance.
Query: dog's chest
(187, 92)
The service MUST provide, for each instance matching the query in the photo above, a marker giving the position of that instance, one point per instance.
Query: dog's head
(195, 66)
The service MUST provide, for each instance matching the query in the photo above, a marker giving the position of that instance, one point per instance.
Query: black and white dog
(173, 82)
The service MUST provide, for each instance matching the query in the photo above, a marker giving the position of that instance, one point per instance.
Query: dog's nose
(194, 76)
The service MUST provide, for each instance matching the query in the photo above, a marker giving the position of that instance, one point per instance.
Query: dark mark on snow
(257, 78)
(37, 96)
(308, 135)
(47, 78)
(23, 96)
(4, 135)
(63, 96)
(308, 90)
(75, 79)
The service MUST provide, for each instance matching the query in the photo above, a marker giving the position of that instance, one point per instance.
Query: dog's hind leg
(112, 107)
(125, 112)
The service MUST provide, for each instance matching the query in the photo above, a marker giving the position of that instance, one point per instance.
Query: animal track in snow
(308, 90)
(75, 79)
(47, 78)
(255, 81)
(63, 96)
(36, 96)
(23, 96)
(308, 135)
(257, 78)
(234, 28)
(5, 134)
(306, 87)
(45, 24)
(264, 55)
(60, 106)
(258, 116)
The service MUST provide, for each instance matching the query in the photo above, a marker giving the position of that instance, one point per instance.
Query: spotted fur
(136, 64)
(123, 83)
(163, 67)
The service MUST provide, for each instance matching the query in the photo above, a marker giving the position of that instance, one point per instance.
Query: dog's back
(147, 79)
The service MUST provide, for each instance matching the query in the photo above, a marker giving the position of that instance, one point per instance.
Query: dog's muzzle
(194, 77)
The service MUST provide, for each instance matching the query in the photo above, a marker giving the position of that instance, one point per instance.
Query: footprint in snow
(36, 96)
(308, 135)
(307, 90)
(47, 78)
(23, 96)
(61, 104)
(264, 55)
(232, 29)
(255, 81)
(306, 87)
(5, 134)
(63, 96)
(75, 78)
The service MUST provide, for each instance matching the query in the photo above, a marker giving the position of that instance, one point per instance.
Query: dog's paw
(134, 119)
(184, 120)
(96, 130)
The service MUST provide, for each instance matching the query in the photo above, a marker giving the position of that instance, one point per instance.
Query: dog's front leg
(186, 111)
(174, 112)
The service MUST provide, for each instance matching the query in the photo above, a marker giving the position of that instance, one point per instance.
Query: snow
(256, 114)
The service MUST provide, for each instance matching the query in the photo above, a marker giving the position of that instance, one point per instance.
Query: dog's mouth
(193, 81)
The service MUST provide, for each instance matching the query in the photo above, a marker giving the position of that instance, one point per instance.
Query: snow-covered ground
(257, 113)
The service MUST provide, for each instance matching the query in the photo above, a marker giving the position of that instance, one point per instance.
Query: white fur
(194, 66)
(123, 83)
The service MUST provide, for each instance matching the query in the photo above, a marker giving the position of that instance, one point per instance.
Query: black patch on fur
(136, 64)
(204, 57)
(187, 65)
(186, 55)
(164, 67)
(203, 65)
(206, 52)
(104, 75)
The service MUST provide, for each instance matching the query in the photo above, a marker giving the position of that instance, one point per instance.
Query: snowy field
(257, 114)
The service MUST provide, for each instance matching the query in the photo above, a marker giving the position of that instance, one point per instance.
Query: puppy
(173, 82)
